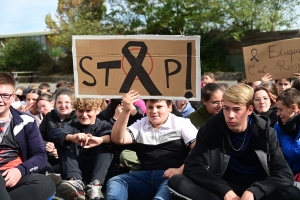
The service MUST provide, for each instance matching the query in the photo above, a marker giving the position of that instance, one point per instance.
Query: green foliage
(75, 17)
(21, 54)
(213, 54)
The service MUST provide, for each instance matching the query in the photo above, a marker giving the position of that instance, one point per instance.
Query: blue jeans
(139, 185)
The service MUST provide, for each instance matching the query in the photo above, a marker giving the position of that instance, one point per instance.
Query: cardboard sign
(281, 59)
(158, 67)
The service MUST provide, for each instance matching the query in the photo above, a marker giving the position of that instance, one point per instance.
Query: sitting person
(264, 103)
(236, 156)
(287, 127)
(83, 151)
(161, 140)
(22, 152)
(184, 107)
(212, 98)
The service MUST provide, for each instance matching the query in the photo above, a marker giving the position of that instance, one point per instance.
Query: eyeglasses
(217, 103)
(5, 97)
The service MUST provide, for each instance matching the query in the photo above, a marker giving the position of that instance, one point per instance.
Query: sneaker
(72, 189)
(297, 184)
(94, 190)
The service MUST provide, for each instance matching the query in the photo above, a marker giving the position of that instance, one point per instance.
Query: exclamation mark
(188, 83)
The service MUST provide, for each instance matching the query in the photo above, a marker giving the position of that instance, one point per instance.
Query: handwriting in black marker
(168, 74)
(137, 69)
(254, 56)
(86, 72)
(115, 64)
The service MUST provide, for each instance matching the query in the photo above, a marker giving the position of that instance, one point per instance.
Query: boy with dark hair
(236, 156)
(84, 151)
(161, 141)
(44, 88)
(22, 151)
(287, 127)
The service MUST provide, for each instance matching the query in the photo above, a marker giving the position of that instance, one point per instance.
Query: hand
(230, 195)
(79, 138)
(50, 146)
(297, 75)
(129, 99)
(172, 171)
(118, 111)
(24, 108)
(12, 176)
(247, 195)
(92, 141)
(266, 78)
(55, 154)
(39, 120)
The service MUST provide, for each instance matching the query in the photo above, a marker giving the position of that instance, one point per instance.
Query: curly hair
(88, 104)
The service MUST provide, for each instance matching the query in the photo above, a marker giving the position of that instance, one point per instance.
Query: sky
(22, 16)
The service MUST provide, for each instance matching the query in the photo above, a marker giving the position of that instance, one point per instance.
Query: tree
(75, 17)
(21, 54)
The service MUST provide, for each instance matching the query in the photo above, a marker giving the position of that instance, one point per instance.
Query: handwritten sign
(281, 59)
(164, 67)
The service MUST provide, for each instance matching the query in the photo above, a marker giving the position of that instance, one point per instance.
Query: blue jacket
(290, 147)
(30, 141)
(187, 110)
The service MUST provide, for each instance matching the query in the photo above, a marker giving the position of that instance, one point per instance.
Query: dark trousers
(184, 187)
(84, 164)
(30, 186)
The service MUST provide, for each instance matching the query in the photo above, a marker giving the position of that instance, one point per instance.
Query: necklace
(242, 143)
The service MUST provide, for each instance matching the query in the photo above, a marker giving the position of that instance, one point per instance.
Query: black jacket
(100, 128)
(52, 120)
(272, 114)
(208, 160)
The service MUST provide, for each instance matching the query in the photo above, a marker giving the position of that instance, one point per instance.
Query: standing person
(22, 151)
(83, 151)
(212, 99)
(236, 156)
(288, 131)
(162, 142)
(62, 114)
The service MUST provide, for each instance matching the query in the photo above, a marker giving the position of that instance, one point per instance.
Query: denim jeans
(139, 185)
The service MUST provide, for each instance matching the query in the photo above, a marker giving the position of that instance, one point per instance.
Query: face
(44, 106)
(207, 79)
(19, 92)
(255, 84)
(285, 113)
(283, 84)
(181, 102)
(63, 105)
(214, 104)
(262, 101)
(31, 99)
(87, 117)
(158, 112)
(236, 116)
(4, 104)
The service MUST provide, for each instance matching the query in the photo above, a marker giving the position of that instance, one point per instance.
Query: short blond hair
(240, 94)
(88, 104)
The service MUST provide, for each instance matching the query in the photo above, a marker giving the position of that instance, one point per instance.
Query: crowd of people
(240, 142)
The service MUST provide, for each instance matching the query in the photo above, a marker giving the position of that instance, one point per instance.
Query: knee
(175, 181)
(116, 181)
